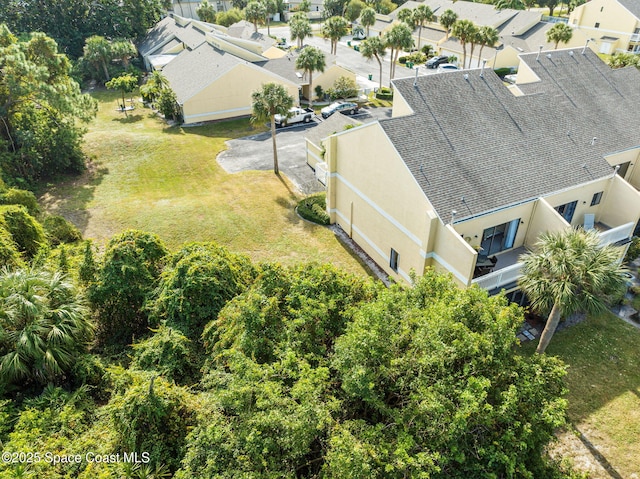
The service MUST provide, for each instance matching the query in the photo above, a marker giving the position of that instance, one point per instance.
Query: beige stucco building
(613, 25)
(465, 171)
(214, 70)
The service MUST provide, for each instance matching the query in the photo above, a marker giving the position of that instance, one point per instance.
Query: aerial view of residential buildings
(319, 239)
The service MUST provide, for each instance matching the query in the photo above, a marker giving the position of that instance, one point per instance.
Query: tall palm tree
(255, 12)
(447, 19)
(397, 39)
(299, 27)
(270, 7)
(367, 18)
(97, 51)
(44, 325)
(271, 100)
(422, 14)
(311, 59)
(569, 272)
(488, 36)
(374, 47)
(406, 16)
(560, 32)
(334, 29)
(464, 31)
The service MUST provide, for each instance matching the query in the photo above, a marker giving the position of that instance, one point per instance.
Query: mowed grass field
(146, 175)
(603, 355)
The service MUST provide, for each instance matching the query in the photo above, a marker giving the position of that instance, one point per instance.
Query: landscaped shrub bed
(384, 93)
(313, 208)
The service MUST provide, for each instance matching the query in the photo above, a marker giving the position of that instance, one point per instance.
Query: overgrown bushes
(313, 208)
(384, 93)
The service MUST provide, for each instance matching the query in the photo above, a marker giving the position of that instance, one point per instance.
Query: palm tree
(334, 29)
(299, 27)
(270, 7)
(474, 39)
(255, 12)
(268, 102)
(206, 12)
(44, 325)
(569, 272)
(421, 14)
(311, 59)
(97, 51)
(368, 18)
(487, 36)
(397, 39)
(406, 16)
(560, 32)
(464, 31)
(374, 47)
(447, 19)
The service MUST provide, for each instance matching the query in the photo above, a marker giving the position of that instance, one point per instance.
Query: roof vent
(453, 215)
(466, 76)
(484, 62)
(584, 49)
(538, 55)
(549, 56)
(593, 141)
(570, 53)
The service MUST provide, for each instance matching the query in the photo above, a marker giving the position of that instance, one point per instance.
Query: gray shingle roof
(194, 70)
(286, 67)
(472, 139)
(165, 30)
(334, 124)
(245, 30)
(632, 5)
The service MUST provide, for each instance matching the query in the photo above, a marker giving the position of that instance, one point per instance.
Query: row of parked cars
(305, 115)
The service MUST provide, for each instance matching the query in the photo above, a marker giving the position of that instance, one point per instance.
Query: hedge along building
(214, 70)
(466, 170)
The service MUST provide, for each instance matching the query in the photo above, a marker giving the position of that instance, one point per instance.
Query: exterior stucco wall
(230, 95)
(614, 21)
(374, 198)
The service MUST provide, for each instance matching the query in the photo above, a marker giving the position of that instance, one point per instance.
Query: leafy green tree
(299, 27)
(333, 8)
(169, 353)
(487, 36)
(353, 9)
(305, 6)
(464, 31)
(206, 12)
(42, 107)
(153, 416)
(569, 272)
(422, 14)
(334, 29)
(271, 100)
(255, 12)
(26, 232)
(167, 104)
(374, 47)
(97, 51)
(474, 39)
(44, 326)
(551, 5)
(367, 18)
(344, 87)
(311, 59)
(560, 32)
(228, 18)
(196, 283)
(271, 8)
(406, 16)
(131, 267)
(447, 19)
(512, 4)
(124, 51)
(397, 39)
(155, 83)
(125, 83)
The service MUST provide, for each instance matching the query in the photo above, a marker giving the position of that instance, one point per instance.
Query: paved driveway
(255, 153)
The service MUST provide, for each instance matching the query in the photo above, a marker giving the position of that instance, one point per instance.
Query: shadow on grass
(598, 456)
(129, 119)
(70, 197)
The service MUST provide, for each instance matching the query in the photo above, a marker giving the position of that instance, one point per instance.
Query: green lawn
(603, 355)
(148, 176)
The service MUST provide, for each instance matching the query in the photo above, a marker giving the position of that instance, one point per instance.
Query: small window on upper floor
(596, 198)
(597, 25)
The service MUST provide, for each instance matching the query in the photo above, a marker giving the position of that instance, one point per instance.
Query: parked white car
(447, 67)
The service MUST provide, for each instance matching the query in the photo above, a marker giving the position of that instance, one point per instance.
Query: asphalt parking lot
(255, 153)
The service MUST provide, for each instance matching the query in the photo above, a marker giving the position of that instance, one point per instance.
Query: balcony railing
(635, 37)
(499, 278)
(616, 234)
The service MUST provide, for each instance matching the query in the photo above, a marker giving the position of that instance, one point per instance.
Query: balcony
(635, 37)
(507, 270)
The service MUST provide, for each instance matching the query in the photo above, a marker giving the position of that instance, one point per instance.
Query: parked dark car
(345, 107)
(435, 62)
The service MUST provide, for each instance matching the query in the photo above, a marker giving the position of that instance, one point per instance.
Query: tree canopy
(40, 106)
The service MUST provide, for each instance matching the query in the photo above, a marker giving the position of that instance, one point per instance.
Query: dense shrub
(198, 281)
(9, 254)
(502, 72)
(313, 208)
(167, 352)
(384, 93)
(14, 196)
(25, 230)
(132, 265)
(88, 369)
(59, 230)
(634, 250)
(343, 87)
